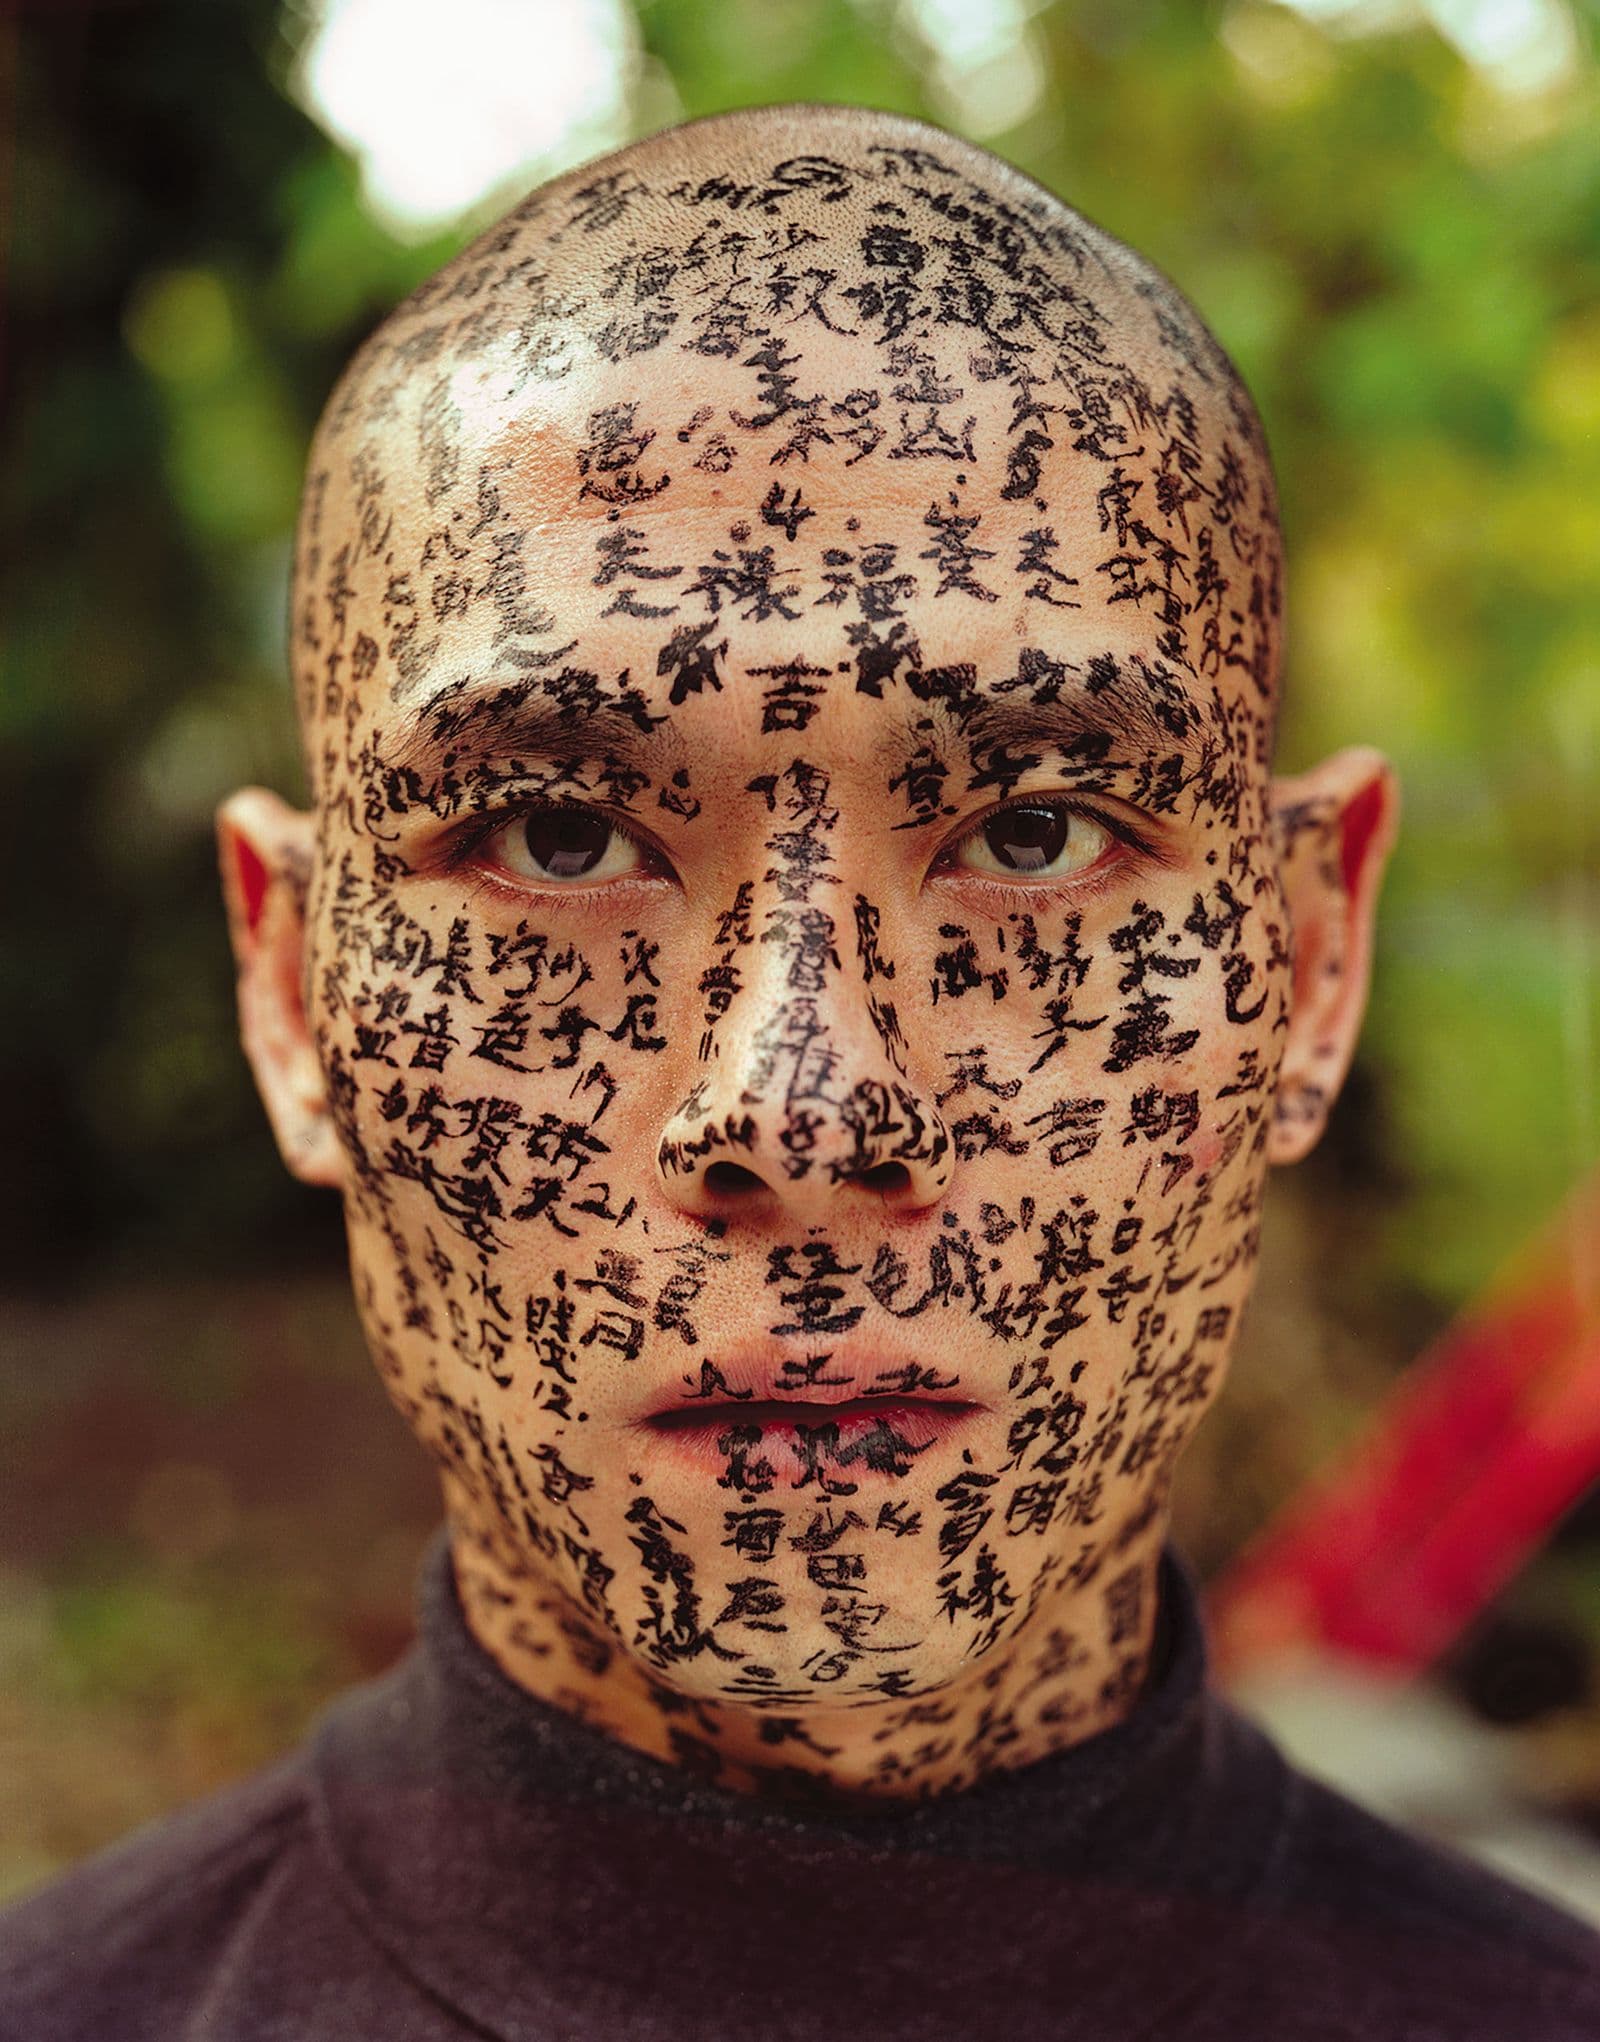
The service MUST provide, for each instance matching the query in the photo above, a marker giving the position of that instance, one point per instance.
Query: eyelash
(1088, 884)
(1091, 882)
(487, 883)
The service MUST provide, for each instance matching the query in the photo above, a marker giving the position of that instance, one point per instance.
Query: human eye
(1033, 841)
(563, 845)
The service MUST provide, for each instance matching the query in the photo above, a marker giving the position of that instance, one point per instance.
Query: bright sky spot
(987, 74)
(1528, 45)
(447, 102)
(1521, 45)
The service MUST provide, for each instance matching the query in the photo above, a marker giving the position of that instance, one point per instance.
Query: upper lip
(765, 1372)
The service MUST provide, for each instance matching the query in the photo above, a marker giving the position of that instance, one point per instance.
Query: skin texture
(865, 575)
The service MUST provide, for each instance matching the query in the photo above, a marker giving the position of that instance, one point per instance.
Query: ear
(1334, 828)
(265, 849)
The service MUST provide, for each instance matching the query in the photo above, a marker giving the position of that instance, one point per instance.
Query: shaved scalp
(866, 290)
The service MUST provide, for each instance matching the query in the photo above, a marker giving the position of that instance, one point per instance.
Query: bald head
(764, 319)
(790, 965)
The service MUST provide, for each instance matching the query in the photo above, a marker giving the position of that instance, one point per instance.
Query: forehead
(652, 474)
(598, 546)
(827, 444)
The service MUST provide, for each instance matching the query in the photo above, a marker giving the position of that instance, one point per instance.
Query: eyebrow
(1081, 710)
(518, 721)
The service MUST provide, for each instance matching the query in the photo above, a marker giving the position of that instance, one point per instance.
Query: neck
(1052, 1683)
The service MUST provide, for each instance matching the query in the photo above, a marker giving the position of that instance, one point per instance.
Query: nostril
(735, 1181)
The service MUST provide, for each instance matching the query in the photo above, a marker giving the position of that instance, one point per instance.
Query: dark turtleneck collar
(527, 1868)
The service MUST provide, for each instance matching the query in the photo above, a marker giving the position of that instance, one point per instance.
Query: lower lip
(862, 1441)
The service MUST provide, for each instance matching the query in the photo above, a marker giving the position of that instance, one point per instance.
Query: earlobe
(1334, 826)
(264, 848)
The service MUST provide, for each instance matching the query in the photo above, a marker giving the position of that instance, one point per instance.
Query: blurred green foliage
(1401, 251)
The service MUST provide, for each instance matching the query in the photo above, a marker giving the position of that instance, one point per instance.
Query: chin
(824, 1659)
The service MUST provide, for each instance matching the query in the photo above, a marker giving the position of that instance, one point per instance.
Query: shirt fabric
(448, 1856)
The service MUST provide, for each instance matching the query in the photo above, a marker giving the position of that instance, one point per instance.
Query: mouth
(786, 1441)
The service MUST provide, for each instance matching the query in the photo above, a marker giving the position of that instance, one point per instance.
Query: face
(797, 963)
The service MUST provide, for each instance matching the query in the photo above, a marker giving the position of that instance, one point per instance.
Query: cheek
(489, 1071)
(1054, 1041)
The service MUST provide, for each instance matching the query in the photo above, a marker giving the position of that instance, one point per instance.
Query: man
(798, 968)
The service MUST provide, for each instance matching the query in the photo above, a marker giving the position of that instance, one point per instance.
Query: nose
(806, 1105)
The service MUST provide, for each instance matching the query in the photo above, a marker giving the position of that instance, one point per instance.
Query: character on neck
(797, 963)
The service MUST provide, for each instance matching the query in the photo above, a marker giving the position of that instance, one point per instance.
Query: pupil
(565, 842)
(1027, 839)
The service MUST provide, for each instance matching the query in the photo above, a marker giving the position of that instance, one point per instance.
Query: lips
(764, 1421)
(818, 1382)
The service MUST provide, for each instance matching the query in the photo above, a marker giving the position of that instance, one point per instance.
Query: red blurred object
(1480, 1450)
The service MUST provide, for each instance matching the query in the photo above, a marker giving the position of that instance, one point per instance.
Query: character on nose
(810, 1096)
(808, 1109)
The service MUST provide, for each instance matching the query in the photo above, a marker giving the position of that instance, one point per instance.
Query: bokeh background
(1389, 210)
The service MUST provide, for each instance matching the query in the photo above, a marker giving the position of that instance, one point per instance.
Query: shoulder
(122, 1942)
(1428, 1929)
(1344, 1857)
